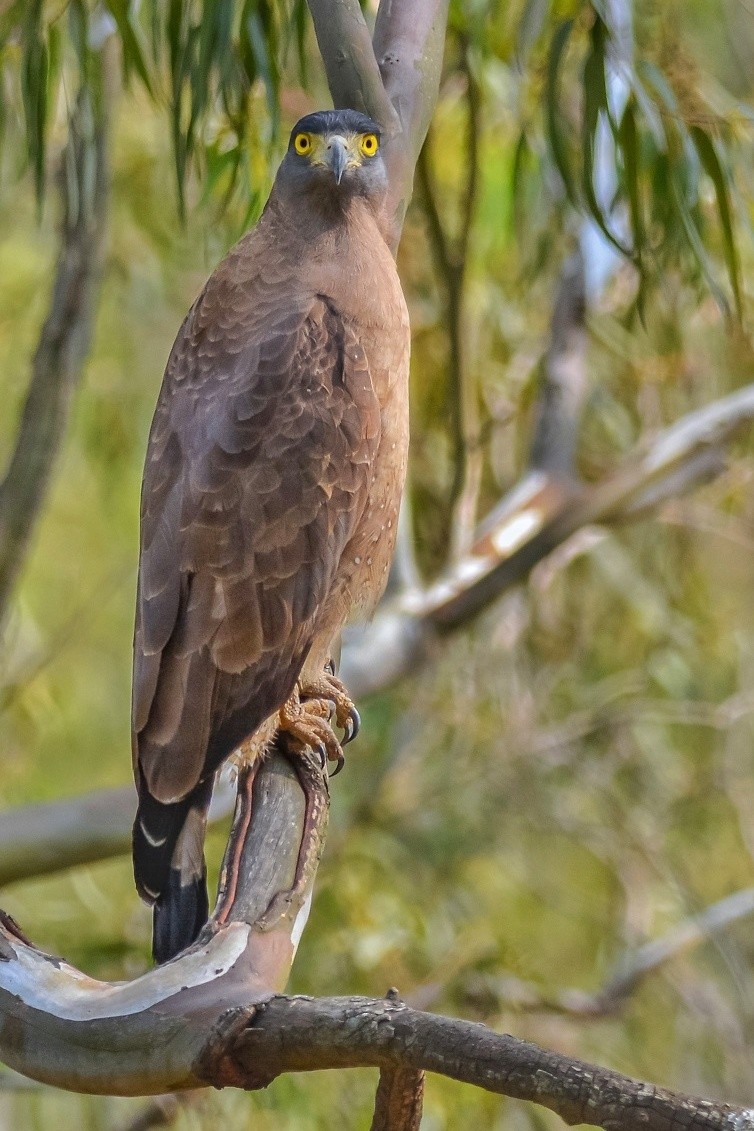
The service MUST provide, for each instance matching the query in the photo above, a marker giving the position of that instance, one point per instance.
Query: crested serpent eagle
(269, 508)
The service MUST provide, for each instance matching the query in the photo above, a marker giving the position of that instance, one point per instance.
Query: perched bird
(269, 508)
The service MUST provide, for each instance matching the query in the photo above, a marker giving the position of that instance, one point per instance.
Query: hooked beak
(337, 156)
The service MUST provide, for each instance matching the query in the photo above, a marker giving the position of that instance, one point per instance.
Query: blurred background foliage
(573, 773)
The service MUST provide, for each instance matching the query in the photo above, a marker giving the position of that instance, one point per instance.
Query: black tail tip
(178, 917)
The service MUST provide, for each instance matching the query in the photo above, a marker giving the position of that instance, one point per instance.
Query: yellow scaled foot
(330, 688)
(307, 722)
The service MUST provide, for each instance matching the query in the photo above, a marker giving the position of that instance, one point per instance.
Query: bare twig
(64, 341)
(399, 1101)
(489, 994)
(564, 384)
(697, 929)
(162, 1111)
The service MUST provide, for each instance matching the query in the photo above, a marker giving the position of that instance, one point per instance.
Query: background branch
(535, 517)
(451, 258)
(64, 341)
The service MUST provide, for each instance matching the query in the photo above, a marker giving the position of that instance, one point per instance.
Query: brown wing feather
(256, 476)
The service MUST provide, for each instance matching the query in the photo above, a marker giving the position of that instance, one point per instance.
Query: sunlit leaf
(530, 27)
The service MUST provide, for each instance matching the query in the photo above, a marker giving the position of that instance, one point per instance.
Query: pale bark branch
(353, 76)
(148, 1036)
(409, 42)
(395, 79)
(182, 1026)
(564, 378)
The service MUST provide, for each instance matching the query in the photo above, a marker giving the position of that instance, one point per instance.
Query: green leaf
(696, 244)
(260, 31)
(34, 77)
(530, 27)
(558, 140)
(713, 167)
(628, 140)
(134, 51)
(595, 112)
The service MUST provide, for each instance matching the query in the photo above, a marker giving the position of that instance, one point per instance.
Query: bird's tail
(169, 867)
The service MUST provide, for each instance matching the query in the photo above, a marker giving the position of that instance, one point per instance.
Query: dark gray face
(334, 155)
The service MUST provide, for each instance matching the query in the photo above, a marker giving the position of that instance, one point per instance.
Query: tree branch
(302, 1034)
(409, 42)
(399, 1101)
(147, 1036)
(38, 839)
(451, 262)
(395, 80)
(564, 380)
(352, 73)
(64, 341)
(181, 1026)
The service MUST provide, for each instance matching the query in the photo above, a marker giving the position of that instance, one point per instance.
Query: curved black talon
(322, 750)
(352, 727)
(338, 766)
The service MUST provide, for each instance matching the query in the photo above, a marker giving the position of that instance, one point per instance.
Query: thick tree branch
(64, 341)
(181, 1026)
(409, 41)
(352, 73)
(395, 81)
(147, 1036)
(302, 1034)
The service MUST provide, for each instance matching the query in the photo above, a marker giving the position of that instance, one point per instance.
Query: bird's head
(335, 154)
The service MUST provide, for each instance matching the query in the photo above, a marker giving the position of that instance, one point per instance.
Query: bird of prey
(273, 477)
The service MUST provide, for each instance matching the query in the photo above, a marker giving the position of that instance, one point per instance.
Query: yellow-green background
(561, 781)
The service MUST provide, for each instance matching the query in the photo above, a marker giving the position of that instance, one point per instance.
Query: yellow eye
(302, 143)
(368, 144)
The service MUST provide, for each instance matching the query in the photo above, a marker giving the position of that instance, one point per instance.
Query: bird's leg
(306, 721)
(333, 690)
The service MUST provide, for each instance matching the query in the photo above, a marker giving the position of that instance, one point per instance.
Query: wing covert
(257, 473)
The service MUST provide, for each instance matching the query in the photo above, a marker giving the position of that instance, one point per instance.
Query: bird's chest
(367, 557)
